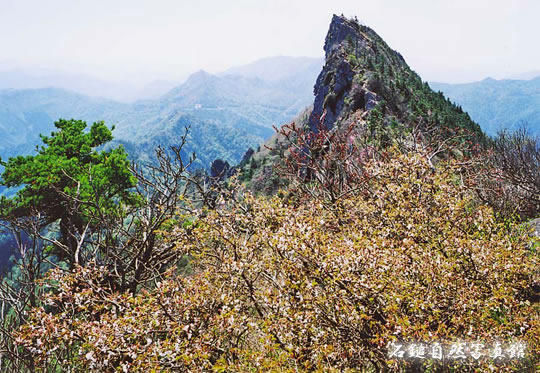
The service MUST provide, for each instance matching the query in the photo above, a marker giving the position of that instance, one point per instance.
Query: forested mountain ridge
(498, 104)
(367, 86)
(24, 114)
(234, 111)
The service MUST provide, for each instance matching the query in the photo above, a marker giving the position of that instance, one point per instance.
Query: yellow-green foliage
(310, 287)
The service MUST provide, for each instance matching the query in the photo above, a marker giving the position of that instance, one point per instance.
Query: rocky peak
(362, 73)
(335, 81)
(367, 86)
(221, 170)
(340, 29)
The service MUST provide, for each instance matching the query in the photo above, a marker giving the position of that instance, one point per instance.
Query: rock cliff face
(335, 81)
(362, 72)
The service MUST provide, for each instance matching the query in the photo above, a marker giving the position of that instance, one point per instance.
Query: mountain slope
(498, 104)
(362, 73)
(227, 114)
(24, 114)
(267, 102)
(366, 85)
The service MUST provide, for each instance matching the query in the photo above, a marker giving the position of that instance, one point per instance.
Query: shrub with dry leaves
(277, 287)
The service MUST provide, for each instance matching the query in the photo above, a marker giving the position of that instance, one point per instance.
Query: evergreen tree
(69, 181)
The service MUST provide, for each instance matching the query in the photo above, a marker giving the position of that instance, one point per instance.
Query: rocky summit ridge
(366, 85)
(362, 72)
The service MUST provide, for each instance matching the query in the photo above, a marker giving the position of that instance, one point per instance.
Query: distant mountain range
(228, 113)
(278, 68)
(528, 75)
(269, 69)
(498, 104)
(85, 84)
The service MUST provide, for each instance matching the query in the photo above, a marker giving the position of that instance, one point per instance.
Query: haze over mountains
(278, 68)
(227, 113)
(498, 104)
(124, 90)
(20, 78)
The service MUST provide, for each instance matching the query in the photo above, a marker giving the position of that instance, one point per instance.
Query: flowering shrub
(277, 287)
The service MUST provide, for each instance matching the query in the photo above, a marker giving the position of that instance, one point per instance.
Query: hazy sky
(443, 40)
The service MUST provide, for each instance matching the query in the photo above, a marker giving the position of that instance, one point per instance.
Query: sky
(144, 40)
